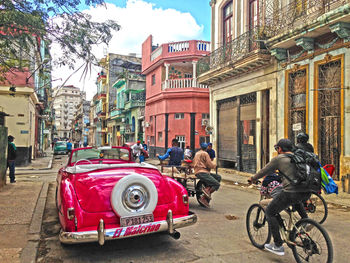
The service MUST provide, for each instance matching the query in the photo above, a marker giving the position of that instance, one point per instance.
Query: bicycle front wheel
(316, 208)
(312, 243)
(257, 226)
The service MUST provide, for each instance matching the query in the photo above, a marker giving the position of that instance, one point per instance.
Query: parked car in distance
(60, 147)
(102, 194)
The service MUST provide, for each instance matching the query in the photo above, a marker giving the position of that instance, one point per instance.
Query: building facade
(278, 68)
(80, 128)
(177, 106)
(65, 102)
(19, 100)
(119, 100)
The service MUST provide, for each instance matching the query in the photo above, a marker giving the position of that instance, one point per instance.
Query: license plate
(136, 220)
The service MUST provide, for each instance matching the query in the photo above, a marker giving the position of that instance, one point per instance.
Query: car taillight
(70, 213)
(185, 199)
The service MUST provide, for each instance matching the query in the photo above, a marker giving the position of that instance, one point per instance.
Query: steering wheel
(81, 160)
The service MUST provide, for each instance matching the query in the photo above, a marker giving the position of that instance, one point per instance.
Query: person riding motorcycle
(202, 165)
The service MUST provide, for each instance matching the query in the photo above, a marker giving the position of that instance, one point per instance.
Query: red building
(176, 105)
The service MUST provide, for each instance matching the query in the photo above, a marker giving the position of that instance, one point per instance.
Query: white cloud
(138, 20)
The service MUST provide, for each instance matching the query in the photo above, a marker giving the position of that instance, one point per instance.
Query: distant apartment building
(119, 101)
(65, 102)
(177, 106)
(80, 128)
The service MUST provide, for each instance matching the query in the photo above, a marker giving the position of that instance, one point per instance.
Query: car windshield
(101, 153)
(60, 144)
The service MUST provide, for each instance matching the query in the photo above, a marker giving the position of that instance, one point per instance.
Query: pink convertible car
(103, 195)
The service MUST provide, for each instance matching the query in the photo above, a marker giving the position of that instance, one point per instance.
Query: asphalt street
(219, 235)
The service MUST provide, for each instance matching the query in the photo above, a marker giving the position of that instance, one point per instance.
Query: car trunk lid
(94, 188)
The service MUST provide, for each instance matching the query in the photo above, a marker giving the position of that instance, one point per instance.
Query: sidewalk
(21, 209)
(40, 163)
(234, 177)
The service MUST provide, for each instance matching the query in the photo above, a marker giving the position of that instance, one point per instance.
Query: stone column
(194, 75)
(166, 74)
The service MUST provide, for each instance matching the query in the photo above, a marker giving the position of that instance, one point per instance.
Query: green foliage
(24, 22)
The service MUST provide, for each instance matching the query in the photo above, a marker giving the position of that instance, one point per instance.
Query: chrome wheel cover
(135, 198)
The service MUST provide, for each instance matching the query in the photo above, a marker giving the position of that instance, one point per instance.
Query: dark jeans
(279, 203)
(11, 166)
(210, 179)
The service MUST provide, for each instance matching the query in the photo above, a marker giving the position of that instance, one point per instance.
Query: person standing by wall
(11, 157)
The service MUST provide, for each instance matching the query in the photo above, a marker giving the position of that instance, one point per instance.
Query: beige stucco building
(278, 68)
(22, 120)
(243, 97)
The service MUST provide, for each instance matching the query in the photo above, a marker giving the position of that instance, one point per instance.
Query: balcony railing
(296, 15)
(134, 103)
(156, 53)
(181, 83)
(235, 50)
(179, 48)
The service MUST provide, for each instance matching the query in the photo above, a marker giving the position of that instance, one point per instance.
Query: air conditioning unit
(205, 122)
(146, 124)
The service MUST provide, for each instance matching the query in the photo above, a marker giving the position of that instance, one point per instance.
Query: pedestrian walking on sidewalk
(11, 157)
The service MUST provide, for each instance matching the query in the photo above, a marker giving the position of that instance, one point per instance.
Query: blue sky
(166, 20)
(199, 9)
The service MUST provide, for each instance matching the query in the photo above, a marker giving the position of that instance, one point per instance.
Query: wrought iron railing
(277, 19)
(233, 51)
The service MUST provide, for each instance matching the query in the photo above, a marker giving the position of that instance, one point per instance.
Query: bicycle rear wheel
(316, 208)
(312, 242)
(257, 226)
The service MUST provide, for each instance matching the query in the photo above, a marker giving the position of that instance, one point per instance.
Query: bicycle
(316, 208)
(308, 240)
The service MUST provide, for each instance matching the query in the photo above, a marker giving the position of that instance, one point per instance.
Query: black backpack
(308, 172)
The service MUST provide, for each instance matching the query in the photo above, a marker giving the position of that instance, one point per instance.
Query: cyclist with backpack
(291, 194)
(302, 142)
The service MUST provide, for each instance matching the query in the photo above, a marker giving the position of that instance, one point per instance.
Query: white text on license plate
(136, 220)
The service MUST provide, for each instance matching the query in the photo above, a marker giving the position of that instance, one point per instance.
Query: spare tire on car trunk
(134, 194)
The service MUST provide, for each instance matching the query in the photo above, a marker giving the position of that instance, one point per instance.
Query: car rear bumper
(169, 225)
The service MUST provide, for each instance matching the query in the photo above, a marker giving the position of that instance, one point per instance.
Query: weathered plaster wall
(254, 82)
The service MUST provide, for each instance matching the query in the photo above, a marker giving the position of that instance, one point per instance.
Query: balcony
(116, 113)
(308, 17)
(178, 49)
(243, 54)
(134, 103)
(182, 83)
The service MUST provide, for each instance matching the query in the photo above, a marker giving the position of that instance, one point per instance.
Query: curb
(29, 253)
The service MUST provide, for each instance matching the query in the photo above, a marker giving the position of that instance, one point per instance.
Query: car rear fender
(69, 200)
(180, 194)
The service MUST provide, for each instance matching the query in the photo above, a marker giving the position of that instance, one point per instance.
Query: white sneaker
(274, 249)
